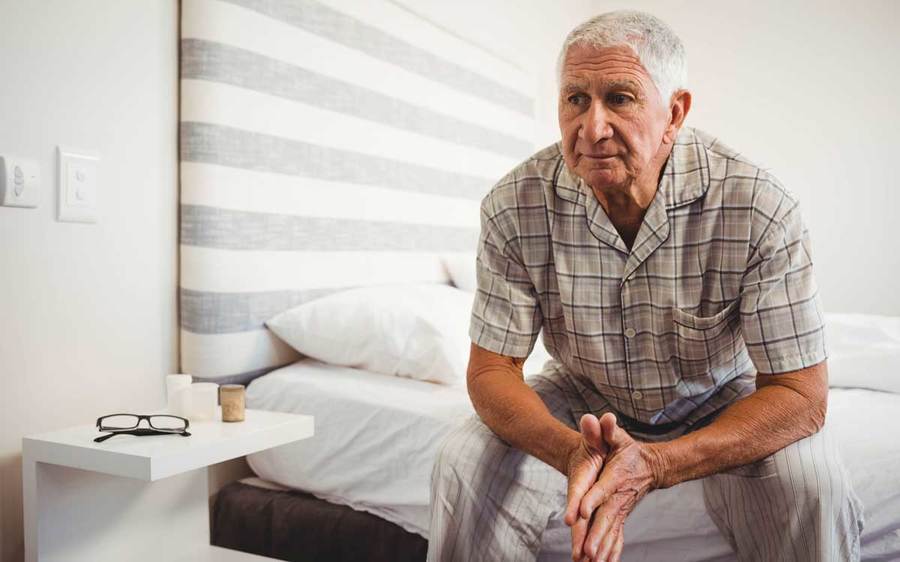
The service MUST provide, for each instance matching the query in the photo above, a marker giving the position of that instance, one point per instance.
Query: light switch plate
(79, 181)
(20, 181)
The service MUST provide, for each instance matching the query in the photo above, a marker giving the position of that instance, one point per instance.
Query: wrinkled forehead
(588, 66)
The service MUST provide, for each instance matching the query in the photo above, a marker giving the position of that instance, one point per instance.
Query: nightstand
(136, 498)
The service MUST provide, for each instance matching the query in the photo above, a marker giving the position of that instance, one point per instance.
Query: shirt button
(629, 332)
(637, 394)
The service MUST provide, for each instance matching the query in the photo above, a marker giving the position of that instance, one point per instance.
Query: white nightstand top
(154, 457)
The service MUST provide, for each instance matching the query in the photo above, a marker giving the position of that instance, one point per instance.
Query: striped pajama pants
(492, 502)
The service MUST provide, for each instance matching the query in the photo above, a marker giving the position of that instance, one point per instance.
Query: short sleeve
(506, 316)
(781, 316)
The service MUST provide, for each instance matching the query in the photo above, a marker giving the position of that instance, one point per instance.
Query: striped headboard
(324, 145)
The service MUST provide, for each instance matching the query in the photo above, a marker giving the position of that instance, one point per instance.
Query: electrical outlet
(78, 185)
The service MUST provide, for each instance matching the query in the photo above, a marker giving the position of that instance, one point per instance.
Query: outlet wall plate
(79, 181)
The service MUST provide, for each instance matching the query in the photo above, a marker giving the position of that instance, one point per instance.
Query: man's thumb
(614, 435)
(591, 431)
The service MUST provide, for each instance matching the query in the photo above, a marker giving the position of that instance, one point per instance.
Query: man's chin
(599, 179)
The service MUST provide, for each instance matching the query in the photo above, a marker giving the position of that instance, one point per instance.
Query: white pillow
(863, 351)
(419, 331)
(460, 268)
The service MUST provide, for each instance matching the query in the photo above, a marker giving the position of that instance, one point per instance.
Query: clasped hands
(608, 473)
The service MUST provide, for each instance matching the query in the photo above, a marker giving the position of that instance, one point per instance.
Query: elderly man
(674, 285)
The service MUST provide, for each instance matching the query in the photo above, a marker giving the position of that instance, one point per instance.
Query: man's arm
(514, 411)
(785, 408)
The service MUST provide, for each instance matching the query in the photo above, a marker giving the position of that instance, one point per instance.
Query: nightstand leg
(29, 490)
(75, 515)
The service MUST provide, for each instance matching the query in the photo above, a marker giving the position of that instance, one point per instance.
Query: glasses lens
(123, 421)
(170, 423)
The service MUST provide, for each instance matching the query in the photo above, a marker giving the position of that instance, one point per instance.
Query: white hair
(655, 44)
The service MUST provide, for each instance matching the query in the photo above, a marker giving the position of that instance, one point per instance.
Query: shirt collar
(685, 176)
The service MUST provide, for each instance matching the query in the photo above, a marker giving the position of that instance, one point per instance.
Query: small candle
(232, 398)
(203, 401)
(178, 395)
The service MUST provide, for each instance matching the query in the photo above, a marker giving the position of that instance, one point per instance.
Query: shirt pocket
(705, 342)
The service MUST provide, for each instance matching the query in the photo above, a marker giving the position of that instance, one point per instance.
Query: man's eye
(619, 99)
(578, 99)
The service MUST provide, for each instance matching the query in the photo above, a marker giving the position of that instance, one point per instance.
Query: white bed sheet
(376, 438)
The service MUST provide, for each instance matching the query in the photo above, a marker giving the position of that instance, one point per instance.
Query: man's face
(610, 115)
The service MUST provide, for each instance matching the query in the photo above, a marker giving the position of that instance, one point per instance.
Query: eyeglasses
(127, 424)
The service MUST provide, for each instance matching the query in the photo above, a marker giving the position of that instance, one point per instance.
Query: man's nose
(596, 126)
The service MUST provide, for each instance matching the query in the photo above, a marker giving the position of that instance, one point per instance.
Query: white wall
(807, 89)
(87, 312)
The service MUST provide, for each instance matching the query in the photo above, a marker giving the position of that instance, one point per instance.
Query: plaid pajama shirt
(717, 286)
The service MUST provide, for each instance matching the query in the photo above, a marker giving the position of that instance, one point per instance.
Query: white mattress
(376, 438)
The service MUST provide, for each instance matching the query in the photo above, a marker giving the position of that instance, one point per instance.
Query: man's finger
(579, 483)
(616, 554)
(579, 531)
(608, 541)
(599, 492)
(590, 430)
(594, 497)
(604, 519)
(613, 435)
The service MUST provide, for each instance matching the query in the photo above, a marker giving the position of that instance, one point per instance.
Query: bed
(376, 437)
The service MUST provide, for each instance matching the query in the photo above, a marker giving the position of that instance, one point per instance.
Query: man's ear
(678, 110)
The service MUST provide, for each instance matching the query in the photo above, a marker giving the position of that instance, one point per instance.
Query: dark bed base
(299, 527)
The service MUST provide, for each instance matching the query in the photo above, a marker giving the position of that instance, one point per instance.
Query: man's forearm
(787, 408)
(516, 413)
